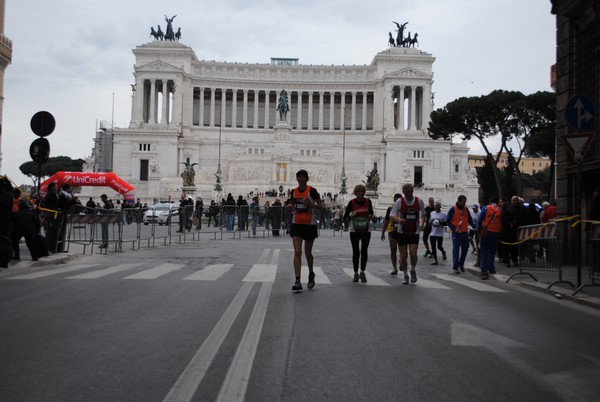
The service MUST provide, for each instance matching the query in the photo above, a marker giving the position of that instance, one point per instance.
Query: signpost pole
(578, 236)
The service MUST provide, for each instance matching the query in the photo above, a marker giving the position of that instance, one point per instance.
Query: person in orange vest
(489, 227)
(304, 200)
(16, 199)
(459, 219)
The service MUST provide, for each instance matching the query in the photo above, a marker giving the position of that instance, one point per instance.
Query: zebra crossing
(264, 272)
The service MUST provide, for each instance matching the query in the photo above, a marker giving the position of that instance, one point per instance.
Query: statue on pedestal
(188, 174)
(283, 105)
(372, 179)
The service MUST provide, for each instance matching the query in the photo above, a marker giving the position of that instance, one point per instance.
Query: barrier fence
(98, 230)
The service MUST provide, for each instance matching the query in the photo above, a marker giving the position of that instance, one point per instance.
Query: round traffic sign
(42, 124)
(40, 150)
(580, 112)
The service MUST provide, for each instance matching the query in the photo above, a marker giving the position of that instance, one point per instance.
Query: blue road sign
(580, 112)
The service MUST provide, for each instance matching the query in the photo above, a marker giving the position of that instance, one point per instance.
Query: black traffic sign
(42, 124)
(40, 150)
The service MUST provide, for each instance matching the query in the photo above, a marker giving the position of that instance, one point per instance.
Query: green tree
(508, 114)
(54, 164)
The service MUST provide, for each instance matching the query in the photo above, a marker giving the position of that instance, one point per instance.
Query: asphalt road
(216, 320)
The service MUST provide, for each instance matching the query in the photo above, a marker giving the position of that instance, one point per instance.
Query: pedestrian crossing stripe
(470, 284)
(50, 272)
(263, 273)
(209, 273)
(371, 280)
(156, 272)
(104, 272)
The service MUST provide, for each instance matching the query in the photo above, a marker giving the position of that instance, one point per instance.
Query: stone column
(310, 110)
(353, 118)
(299, 124)
(400, 111)
(223, 111)
(137, 103)
(165, 102)
(364, 111)
(152, 106)
(234, 108)
(177, 114)
(343, 111)
(245, 110)
(412, 109)
(332, 111)
(267, 96)
(321, 107)
(201, 106)
(256, 97)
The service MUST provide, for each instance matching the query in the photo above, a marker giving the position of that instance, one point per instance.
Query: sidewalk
(589, 296)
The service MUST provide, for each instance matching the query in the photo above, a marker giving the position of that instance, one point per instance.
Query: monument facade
(211, 115)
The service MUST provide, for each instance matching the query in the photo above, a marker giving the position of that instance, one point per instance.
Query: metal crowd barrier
(539, 251)
(594, 254)
(142, 227)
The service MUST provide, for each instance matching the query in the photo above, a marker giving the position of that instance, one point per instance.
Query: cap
(475, 205)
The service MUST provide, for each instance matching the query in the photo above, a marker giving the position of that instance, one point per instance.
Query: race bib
(361, 222)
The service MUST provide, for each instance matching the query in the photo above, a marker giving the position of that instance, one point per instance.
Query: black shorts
(394, 235)
(405, 239)
(307, 232)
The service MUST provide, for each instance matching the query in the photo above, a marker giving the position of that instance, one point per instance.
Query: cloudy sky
(71, 56)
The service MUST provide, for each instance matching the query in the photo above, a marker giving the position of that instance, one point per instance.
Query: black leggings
(360, 253)
(436, 243)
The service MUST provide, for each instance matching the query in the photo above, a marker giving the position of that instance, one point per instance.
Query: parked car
(160, 213)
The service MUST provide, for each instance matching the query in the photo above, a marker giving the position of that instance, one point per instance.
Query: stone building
(576, 73)
(222, 118)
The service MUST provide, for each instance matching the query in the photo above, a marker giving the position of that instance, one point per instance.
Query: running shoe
(394, 271)
(363, 278)
(355, 279)
(444, 256)
(297, 286)
(311, 280)
(484, 276)
(434, 263)
(405, 282)
(462, 269)
(456, 271)
(413, 276)
(426, 253)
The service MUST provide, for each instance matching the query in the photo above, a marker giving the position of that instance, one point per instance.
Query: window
(144, 170)
(419, 176)
(456, 168)
(314, 152)
(419, 154)
(301, 152)
(144, 147)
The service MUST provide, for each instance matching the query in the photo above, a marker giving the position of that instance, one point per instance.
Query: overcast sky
(70, 56)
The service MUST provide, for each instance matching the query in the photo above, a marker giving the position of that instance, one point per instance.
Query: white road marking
(209, 273)
(107, 271)
(371, 280)
(261, 273)
(468, 283)
(189, 380)
(426, 283)
(320, 277)
(237, 378)
(55, 271)
(156, 272)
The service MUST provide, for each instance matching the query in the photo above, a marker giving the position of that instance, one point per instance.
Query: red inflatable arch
(79, 179)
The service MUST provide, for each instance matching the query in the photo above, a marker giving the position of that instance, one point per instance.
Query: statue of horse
(406, 42)
(282, 105)
(159, 34)
(391, 41)
(178, 34)
(413, 40)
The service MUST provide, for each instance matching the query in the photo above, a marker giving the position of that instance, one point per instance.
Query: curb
(541, 287)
